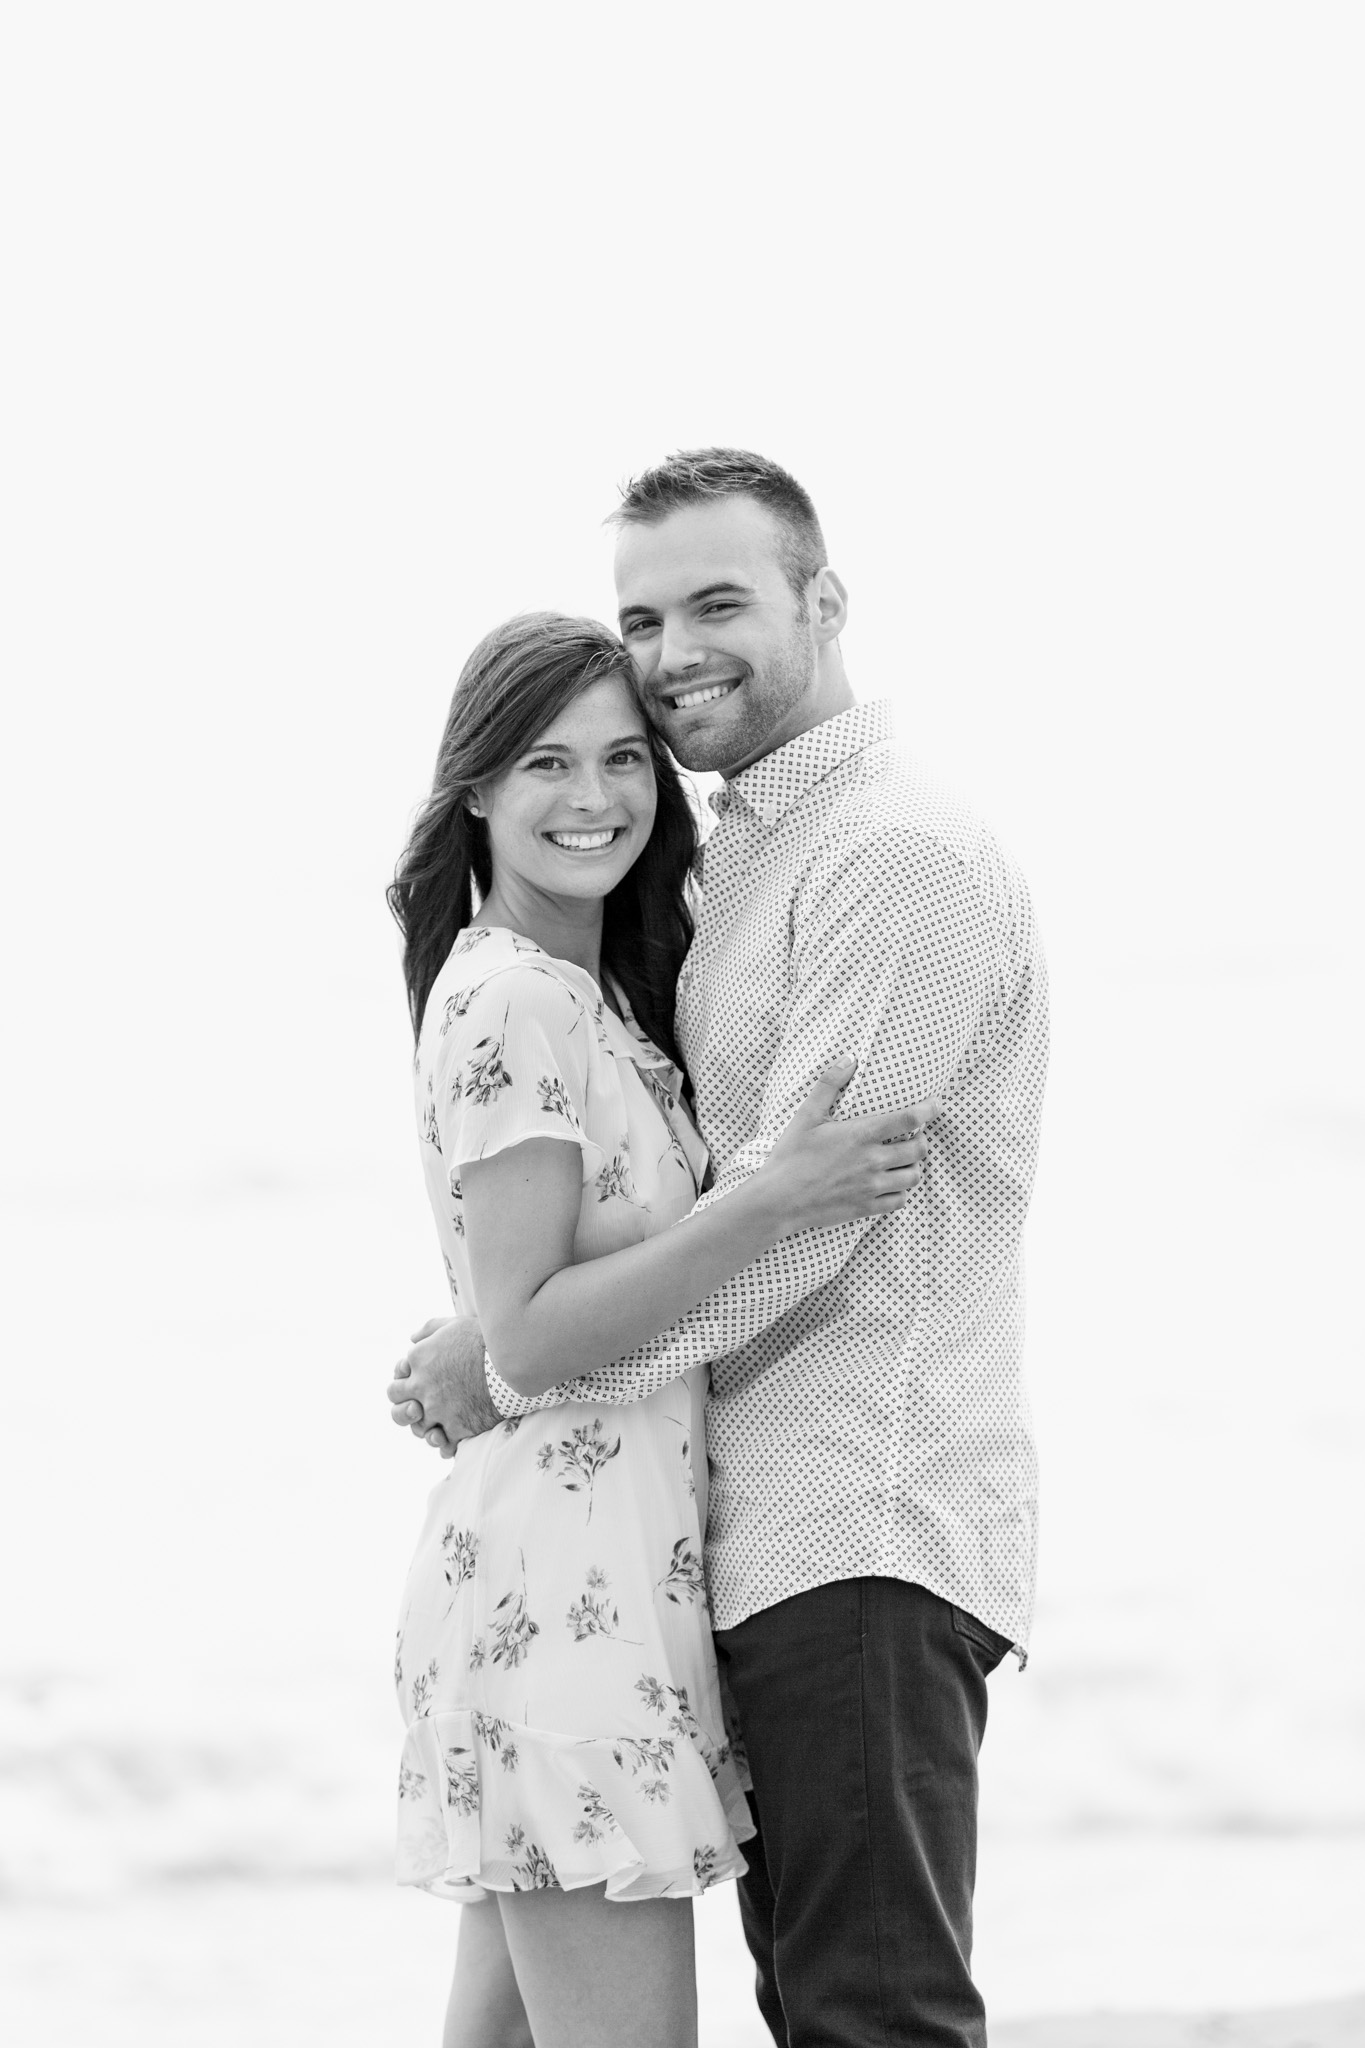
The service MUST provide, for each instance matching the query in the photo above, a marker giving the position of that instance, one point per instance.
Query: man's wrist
(508, 1402)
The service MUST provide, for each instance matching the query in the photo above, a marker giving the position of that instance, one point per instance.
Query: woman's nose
(587, 793)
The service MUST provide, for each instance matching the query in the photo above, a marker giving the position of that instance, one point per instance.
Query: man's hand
(438, 1390)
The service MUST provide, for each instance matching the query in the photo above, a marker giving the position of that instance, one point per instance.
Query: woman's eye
(543, 761)
(631, 757)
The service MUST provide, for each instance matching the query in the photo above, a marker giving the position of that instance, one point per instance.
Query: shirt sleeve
(911, 989)
(514, 1064)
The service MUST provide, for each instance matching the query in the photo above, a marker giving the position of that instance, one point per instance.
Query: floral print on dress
(422, 1688)
(535, 1870)
(460, 1551)
(598, 1820)
(513, 1630)
(554, 1100)
(462, 1782)
(614, 1182)
(554, 1667)
(487, 1075)
(498, 1735)
(457, 1006)
(582, 1455)
(667, 1100)
(684, 1579)
(648, 1758)
(592, 1614)
(431, 1123)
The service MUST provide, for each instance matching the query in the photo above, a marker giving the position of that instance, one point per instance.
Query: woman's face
(570, 816)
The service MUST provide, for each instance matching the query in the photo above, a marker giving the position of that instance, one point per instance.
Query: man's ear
(831, 606)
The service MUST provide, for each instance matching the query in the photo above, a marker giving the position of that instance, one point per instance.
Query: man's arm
(822, 1169)
(906, 978)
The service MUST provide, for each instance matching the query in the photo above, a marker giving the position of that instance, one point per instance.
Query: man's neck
(830, 694)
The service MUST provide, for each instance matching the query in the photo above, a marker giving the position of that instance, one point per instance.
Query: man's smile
(693, 694)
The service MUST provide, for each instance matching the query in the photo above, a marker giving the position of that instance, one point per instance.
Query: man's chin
(706, 746)
(701, 758)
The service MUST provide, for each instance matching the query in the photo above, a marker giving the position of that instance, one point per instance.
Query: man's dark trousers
(863, 1705)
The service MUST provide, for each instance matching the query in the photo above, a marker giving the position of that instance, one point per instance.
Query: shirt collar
(772, 786)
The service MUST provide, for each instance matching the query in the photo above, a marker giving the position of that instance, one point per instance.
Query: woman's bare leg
(485, 2009)
(594, 1975)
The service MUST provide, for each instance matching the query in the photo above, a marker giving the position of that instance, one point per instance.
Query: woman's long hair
(514, 684)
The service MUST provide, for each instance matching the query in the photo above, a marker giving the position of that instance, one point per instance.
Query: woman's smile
(587, 842)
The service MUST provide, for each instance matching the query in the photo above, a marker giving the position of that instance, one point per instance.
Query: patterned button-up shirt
(867, 1414)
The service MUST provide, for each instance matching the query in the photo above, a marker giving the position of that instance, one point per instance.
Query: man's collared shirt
(867, 1413)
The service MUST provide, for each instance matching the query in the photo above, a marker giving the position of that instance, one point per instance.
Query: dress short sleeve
(514, 1059)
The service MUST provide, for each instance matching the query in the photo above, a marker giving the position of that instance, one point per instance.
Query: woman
(566, 1752)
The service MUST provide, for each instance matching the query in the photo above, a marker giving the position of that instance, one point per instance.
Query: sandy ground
(361, 1965)
(1340, 2025)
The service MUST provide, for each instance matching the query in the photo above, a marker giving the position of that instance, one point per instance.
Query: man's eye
(638, 626)
(722, 604)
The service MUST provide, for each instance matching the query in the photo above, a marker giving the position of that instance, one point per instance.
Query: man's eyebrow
(646, 611)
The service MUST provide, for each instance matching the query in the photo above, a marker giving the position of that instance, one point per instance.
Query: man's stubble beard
(764, 703)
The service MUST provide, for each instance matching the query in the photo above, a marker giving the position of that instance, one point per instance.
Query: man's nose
(679, 649)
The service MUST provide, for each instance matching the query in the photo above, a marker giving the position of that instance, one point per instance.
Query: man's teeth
(706, 695)
(583, 842)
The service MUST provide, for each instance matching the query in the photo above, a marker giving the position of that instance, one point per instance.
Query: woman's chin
(584, 877)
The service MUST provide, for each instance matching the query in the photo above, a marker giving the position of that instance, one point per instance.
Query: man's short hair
(698, 476)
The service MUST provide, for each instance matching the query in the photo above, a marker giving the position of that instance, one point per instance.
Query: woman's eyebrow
(564, 747)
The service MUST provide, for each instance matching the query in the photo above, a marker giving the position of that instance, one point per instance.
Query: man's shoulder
(895, 834)
(891, 805)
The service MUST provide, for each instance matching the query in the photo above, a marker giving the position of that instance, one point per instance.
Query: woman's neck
(568, 929)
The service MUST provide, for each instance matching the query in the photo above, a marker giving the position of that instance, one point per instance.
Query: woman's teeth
(706, 695)
(584, 842)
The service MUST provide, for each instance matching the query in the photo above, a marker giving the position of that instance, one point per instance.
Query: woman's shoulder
(494, 980)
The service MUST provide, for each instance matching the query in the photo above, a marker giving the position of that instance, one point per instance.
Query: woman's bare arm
(546, 1319)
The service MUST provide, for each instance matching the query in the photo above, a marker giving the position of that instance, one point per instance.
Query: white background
(330, 333)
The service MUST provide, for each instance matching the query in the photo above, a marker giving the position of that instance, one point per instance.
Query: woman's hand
(826, 1171)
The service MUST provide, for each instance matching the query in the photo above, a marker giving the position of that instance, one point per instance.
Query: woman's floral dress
(554, 1660)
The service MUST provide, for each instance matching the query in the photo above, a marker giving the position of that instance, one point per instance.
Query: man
(871, 1530)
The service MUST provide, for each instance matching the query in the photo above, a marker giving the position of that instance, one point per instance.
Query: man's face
(724, 651)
